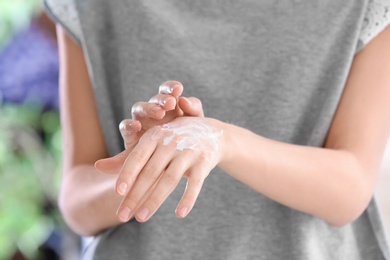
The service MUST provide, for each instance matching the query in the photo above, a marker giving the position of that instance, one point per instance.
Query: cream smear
(195, 134)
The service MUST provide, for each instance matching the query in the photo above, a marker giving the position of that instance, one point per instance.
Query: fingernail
(175, 86)
(122, 188)
(155, 108)
(143, 214)
(183, 212)
(124, 214)
(163, 102)
(125, 127)
(122, 126)
(188, 100)
(165, 90)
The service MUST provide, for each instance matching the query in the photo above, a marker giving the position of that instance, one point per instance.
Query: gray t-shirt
(277, 68)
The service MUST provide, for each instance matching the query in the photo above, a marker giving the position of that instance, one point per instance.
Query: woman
(295, 97)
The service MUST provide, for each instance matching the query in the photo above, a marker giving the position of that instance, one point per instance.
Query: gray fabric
(277, 68)
(64, 12)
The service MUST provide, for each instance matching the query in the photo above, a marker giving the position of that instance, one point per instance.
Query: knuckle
(203, 156)
(158, 129)
(150, 172)
(175, 140)
(155, 202)
(137, 155)
(125, 178)
(181, 161)
(153, 99)
(136, 106)
(157, 99)
(131, 201)
(138, 109)
(156, 133)
(171, 178)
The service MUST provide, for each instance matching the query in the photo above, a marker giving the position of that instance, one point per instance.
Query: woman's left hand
(185, 147)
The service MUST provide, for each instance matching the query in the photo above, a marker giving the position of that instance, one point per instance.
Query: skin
(340, 177)
(84, 191)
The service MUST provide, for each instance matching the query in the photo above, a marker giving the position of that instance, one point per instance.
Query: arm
(87, 198)
(334, 183)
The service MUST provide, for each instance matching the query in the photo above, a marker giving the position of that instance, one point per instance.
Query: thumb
(191, 106)
(113, 164)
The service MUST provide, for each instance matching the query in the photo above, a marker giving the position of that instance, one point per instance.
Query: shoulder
(376, 19)
(64, 12)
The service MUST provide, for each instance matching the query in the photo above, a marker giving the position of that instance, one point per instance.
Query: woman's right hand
(160, 109)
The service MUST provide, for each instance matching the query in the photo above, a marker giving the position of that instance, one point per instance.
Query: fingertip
(170, 103)
(121, 188)
(158, 112)
(124, 214)
(101, 166)
(137, 126)
(182, 212)
(191, 106)
(185, 101)
(177, 90)
(111, 165)
(97, 165)
(129, 126)
(143, 215)
(171, 87)
(185, 105)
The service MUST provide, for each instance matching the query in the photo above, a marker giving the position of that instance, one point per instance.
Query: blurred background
(30, 139)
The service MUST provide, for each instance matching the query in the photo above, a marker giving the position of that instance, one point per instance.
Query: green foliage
(30, 154)
(15, 15)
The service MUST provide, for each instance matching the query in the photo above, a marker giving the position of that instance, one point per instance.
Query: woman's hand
(160, 109)
(186, 147)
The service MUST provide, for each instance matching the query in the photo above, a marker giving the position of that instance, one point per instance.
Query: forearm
(330, 184)
(88, 200)
(337, 182)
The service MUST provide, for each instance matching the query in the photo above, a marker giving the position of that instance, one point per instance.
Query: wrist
(226, 142)
(239, 149)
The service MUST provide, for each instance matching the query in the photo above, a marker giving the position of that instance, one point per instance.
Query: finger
(167, 183)
(128, 129)
(145, 109)
(167, 102)
(145, 181)
(112, 165)
(171, 87)
(135, 161)
(194, 185)
(191, 106)
(124, 213)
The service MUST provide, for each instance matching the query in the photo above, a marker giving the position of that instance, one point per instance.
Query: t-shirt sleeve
(376, 19)
(64, 12)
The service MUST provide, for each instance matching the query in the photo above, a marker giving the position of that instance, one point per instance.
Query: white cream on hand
(190, 133)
